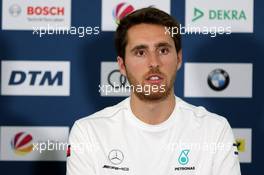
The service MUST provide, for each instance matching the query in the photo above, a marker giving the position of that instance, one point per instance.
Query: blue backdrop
(86, 54)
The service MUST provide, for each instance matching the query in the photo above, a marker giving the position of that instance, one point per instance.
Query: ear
(179, 59)
(121, 65)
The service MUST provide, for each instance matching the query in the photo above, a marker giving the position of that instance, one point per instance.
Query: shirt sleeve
(226, 160)
(80, 160)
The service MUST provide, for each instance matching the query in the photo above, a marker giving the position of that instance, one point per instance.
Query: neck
(152, 112)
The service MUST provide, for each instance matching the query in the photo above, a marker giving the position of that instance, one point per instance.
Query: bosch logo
(15, 10)
(218, 79)
(121, 10)
(46, 11)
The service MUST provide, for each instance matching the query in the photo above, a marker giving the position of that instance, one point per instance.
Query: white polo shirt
(113, 141)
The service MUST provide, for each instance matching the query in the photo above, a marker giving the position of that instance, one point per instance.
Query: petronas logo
(197, 14)
(183, 158)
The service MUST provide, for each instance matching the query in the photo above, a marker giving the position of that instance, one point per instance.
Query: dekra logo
(219, 14)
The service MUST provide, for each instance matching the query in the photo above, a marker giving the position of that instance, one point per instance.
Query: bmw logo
(218, 79)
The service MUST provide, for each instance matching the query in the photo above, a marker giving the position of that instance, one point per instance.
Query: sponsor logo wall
(114, 10)
(26, 15)
(41, 80)
(113, 83)
(35, 78)
(34, 143)
(218, 80)
(243, 138)
(213, 13)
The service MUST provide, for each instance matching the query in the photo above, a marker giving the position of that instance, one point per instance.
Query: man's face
(151, 61)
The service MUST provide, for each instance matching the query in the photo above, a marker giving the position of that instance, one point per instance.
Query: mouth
(154, 79)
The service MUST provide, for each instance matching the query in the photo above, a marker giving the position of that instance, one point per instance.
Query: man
(152, 132)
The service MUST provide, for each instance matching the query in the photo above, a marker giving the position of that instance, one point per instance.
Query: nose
(153, 61)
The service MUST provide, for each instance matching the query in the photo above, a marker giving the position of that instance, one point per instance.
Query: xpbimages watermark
(210, 147)
(80, 31)
(211, 31)
(51, 145)
(82, 147)
(146, 89)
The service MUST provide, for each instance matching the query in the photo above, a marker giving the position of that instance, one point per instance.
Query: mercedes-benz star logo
(116, 156)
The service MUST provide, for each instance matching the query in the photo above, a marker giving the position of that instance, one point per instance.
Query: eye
(140, 53)
(164, 51)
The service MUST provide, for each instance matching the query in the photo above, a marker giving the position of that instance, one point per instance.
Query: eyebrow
(142, 46)
(138, 47)
(162, 44)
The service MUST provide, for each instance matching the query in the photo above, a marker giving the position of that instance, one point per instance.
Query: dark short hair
(149, 15)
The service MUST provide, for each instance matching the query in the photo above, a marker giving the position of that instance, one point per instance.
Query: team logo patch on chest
(183, 160)
(116, 157)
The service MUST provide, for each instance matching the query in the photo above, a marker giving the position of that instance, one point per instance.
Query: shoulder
(201, 116)
(107, 114)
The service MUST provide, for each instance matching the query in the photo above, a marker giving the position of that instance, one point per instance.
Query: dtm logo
(35, 78)
(19, 77)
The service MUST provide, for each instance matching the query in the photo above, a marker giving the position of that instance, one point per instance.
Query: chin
(152, 96)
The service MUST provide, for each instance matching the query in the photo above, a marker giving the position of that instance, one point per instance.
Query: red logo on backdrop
(46, 11)
(121, 10)
(69, 151)
(22, 143)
